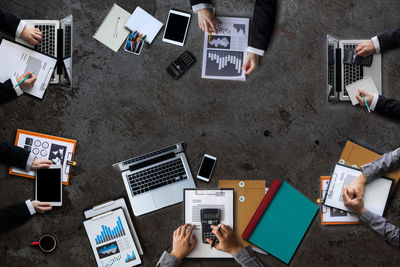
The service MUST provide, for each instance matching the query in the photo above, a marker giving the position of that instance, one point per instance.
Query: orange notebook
(248, 195)
(58, 150)
(354, 155)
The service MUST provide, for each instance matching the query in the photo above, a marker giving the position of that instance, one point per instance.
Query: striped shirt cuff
(375, 41)
(255, 51)
(200, 6)
(17, 89)
(30, 207)
(20, 28)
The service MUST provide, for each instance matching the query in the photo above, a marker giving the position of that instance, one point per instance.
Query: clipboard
(354, 155)
(112, 205)
(331, 216)
(58, 150)
(111, 239)
(248, 196)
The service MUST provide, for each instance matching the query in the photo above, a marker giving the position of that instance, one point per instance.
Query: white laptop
(340, 75)
(156, 180)
(57, 42)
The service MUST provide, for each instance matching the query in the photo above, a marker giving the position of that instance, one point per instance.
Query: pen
(215, 237)
(209, 36)
(23, 80)
(366, 104)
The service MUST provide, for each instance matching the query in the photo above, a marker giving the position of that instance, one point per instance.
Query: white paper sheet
(111, 240)
(195, 200)
(375, 195)
(112, 31)
(224, 55)
(330, 214)
(17, 59)
(56, 151)
(145, 23)
(367, 84)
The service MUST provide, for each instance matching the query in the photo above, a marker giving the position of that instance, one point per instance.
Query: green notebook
(281, 220)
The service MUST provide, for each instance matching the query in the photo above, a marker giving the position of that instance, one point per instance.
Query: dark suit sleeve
(196, 2)
(7, 91)
(8, 22)
(388, 107)
(13, 155)
(13, 215)
(263, 23)
(389, 40)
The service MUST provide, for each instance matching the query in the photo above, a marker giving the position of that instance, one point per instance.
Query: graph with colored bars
(107, 234)
(130, 257)
(224, 63)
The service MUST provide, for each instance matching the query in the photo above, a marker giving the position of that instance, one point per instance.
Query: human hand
(183, 242)
(365, 48)
(31, 35)
(356, 204)
(206, 21)
(251, 63)
(358, 185)
(41, 207)
(40, 163)
(28, 83)
(368, 97)
(228, 241)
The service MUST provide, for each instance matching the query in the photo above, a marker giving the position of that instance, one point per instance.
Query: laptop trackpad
(163, 198)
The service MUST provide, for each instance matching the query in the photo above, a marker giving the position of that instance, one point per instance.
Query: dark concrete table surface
(277, 124)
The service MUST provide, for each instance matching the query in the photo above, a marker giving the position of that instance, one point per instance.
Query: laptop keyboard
(331, 71)
(158, 176)
(49, 39)
(352, 73)
(67, 41)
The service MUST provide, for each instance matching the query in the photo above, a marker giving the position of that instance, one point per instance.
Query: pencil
(366, 104)
(209, 36)
(23, 80)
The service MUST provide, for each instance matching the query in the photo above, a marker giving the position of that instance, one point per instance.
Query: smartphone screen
(48, 185)
(206, 167)
(176, 27)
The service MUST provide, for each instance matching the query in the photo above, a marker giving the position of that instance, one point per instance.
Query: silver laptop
(339, 75)
(56, 42)
(157, 179)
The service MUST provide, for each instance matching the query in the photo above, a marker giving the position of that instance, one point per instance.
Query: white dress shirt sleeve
(201, 6)
(255, 51)
(20, 28)
(375, 41)
(374, 101)
(17, 89)
(30, 207)
(29, 162)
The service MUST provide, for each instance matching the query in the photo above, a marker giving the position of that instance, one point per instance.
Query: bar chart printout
(108, 234)
(111, 240)
(224, 63)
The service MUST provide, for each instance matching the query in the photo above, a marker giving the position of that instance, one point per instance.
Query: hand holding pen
(26, 80)
(227, 239)
(365, 98)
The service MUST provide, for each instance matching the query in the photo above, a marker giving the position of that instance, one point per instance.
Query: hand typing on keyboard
(31, 35)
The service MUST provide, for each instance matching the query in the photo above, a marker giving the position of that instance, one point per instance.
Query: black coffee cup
(47, 243)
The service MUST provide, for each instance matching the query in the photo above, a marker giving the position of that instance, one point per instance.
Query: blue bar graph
(108, 234)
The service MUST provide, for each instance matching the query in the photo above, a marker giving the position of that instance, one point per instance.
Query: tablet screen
(48, 185)
(176, 27)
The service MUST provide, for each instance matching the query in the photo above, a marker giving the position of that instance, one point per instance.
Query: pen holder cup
(139, 50)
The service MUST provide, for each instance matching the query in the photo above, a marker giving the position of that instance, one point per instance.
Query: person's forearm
(246, 257)
(263, 24)
(388, 107)
(387, 163)
(14, 156)
(389, 40)
(380, 225)
(167, 260)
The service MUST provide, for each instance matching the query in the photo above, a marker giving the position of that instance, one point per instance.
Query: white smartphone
(206, 168)
(176, 27)
(49, 185)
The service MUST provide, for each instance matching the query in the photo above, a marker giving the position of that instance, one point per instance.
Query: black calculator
(349, 57)
(209, 217)
(181, 65)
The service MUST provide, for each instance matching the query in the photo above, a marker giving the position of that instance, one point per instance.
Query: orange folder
(248, 196)
(355, 155)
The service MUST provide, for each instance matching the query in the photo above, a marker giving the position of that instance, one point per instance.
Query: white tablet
(49, 185)
(176, 27)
